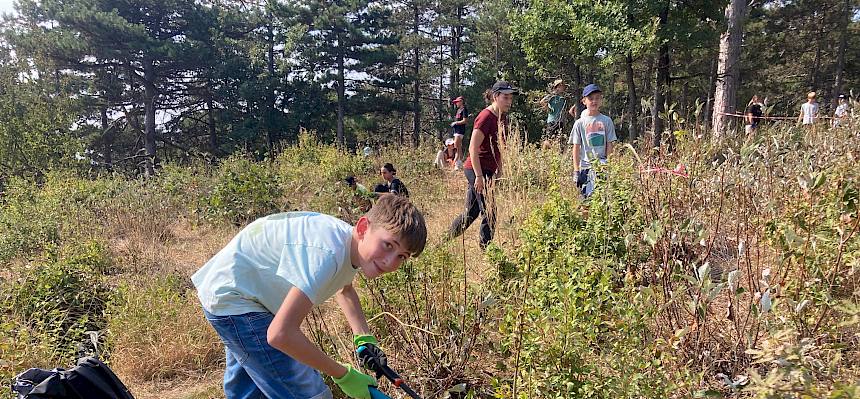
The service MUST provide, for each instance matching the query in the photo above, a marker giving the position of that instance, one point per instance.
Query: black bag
(90, 379)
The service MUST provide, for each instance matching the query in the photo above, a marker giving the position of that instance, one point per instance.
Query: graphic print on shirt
(595, 134)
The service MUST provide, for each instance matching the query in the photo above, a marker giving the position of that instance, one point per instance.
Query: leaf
(817, 181)
(765, 302)
(459, 388)
(801, 305)
(704, 271)
(708, 393)
(732, 279)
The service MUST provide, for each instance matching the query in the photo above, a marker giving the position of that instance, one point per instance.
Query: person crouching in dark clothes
(392, 184)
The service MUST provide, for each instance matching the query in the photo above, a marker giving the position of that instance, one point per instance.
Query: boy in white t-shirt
(592, 136)
(258, 289)
(809, 110)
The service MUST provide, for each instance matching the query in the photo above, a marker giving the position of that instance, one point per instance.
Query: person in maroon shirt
(484, 163)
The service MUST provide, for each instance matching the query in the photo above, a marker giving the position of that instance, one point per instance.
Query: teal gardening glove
(355, 383)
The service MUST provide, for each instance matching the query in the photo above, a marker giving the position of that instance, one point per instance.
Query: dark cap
(504, 88)
(350, 180)
(592, 88)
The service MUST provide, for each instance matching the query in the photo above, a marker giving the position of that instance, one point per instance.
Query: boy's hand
(355, 383)
(371, 354)
(372, 358)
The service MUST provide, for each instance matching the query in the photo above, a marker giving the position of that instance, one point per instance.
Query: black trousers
(475, 206)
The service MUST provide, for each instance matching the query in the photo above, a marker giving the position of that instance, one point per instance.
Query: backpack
(89, 379)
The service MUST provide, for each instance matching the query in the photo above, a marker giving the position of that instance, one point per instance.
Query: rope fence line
(774, 117)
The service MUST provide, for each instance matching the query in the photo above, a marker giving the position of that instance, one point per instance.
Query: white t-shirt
(842, 110)
(810, 112)
(256, 270)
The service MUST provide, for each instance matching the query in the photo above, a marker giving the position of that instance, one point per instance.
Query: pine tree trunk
(213, 137)
(632, 100)
(416, 93)
(341, 141)
(271, 132)
(660, 88)
(660, 81)
(455, 53)
(149, 98)
(814, 76)
(840, 52)
(107, 139)
(728, 70)
(709, 102)
(442, 108)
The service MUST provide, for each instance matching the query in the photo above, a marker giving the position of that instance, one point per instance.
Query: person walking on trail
(592, 137)
(555, 104)
(753, 114)
(809, 110)
(257, 291)
(484, 163)
(392, 184)
(458, 128)
(840, 117)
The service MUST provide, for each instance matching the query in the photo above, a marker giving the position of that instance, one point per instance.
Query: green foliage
(574, 327)
(553, 31)
(34, 133)
(242, 191)
(34, 217)
(58, 299)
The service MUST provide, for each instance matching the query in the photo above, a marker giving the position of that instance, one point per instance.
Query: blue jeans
(255, 369)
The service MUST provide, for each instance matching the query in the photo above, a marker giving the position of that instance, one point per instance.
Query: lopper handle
(375, 394)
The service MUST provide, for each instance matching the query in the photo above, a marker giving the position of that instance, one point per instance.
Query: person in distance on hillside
(392, 184)
(809, 110)
(754, 112)
(446, 156)
(592, 137)
(841, 114)
(257, 291)
(555, 104)
(484, 163)
(458, 128)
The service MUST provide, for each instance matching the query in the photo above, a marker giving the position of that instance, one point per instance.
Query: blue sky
(6, 6)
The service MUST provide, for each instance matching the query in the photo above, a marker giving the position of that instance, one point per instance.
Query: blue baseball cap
(592, 88)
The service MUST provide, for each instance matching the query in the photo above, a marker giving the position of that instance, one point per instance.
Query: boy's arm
(285, 335)
(577, 148)
(350, 305)
(610, 139)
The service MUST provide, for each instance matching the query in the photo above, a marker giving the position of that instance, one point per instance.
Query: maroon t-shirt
(488, 152)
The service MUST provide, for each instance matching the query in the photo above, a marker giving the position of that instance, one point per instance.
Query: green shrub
(53, 303)
(34, 217)
(27, 223)
(574, 326)
(242, 191)
(310, 164)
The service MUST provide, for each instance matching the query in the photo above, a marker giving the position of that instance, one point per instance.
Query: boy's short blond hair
(811, 94)
(400, 217)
